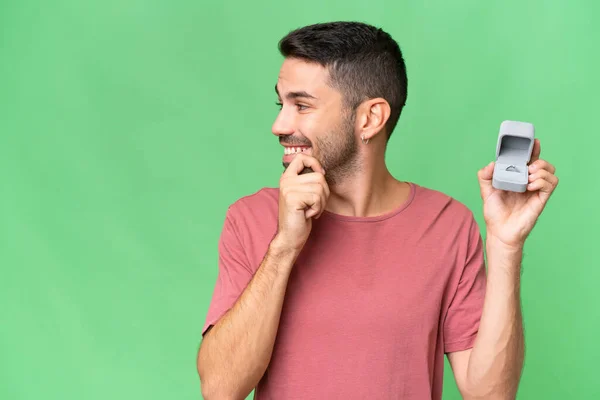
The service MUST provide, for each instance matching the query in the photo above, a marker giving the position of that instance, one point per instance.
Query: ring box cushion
(513, 153)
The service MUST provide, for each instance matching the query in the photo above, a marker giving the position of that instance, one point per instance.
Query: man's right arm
(235, 353)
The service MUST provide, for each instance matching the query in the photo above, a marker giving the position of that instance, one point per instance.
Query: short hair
(364, 62)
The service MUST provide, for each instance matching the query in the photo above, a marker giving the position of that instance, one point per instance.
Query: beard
(336, 151)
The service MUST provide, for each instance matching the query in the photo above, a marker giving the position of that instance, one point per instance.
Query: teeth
(294, 150)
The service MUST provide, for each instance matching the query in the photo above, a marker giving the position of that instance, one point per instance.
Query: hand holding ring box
(513, 153)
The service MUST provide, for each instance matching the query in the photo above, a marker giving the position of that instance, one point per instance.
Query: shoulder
(451, 226)
(256, 211)
(252, 219)
(438, 199)
(261, 201)
(436, 206)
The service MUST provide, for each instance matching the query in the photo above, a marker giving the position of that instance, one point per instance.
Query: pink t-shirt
(372, 304)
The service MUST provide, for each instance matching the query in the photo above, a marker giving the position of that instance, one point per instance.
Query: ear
(371, 117)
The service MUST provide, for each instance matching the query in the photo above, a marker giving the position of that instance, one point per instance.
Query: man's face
(313, 120)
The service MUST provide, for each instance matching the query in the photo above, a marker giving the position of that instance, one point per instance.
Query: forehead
(298, 75)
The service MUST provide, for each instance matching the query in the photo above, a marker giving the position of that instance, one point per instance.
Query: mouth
(295, 150)
(289, 152)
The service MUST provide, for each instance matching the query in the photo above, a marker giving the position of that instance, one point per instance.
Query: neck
(370, 191)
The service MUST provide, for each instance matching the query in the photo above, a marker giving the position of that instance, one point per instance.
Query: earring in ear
(362, 137)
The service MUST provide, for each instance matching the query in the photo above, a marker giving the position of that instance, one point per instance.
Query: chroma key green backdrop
(128, 127)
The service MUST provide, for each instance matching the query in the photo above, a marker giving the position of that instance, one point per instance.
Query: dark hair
(364, 62)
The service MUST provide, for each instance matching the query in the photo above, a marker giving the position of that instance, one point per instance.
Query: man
(345, 283)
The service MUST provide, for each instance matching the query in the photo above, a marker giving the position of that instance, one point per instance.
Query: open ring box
(513, 153)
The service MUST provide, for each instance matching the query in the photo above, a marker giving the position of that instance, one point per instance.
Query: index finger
(300, 162)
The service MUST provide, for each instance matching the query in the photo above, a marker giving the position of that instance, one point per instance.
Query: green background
(128, 127)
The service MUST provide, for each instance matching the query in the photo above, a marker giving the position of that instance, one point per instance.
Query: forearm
(236, 352)
(496, 360)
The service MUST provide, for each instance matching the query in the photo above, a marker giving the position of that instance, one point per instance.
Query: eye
(278, 104)
(301, 107)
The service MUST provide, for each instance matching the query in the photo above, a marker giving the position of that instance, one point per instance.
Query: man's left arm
(492, 368)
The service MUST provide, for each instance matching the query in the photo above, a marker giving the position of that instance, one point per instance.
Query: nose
(283, 125)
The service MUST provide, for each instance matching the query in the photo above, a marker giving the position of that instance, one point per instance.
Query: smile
(295, 150)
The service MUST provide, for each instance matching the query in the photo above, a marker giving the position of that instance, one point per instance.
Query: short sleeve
(464, 313)
(234, 272)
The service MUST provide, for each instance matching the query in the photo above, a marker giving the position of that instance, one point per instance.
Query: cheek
(310, 128)
(322, 131)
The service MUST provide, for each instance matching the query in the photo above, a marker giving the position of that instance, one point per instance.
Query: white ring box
(513, 153)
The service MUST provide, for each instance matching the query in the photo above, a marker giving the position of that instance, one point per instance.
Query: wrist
(281, 248)
(493, 242)
(502, 255)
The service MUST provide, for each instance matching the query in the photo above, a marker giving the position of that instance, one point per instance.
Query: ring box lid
(515, 143)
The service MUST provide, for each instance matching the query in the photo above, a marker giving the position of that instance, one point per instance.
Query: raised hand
(302, 197)
(510, 216)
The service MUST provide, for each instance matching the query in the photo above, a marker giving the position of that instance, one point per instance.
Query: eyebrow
(295, 95)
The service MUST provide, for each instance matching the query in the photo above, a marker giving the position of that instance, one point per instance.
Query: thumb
(485, 180)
